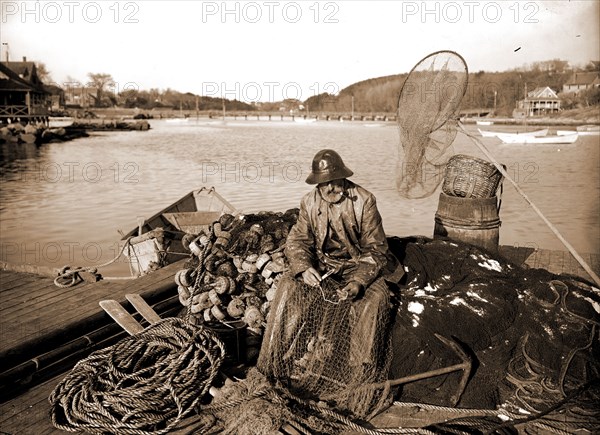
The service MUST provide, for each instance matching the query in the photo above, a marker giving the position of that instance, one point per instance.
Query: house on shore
(581, 81)
(23, 96)
(540, 101)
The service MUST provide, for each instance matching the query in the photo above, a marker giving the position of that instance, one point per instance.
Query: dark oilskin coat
(360, 230)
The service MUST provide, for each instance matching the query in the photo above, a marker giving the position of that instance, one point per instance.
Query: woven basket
(470, 177)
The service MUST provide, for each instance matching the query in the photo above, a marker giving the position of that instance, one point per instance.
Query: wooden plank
(47, 303)
(29, 412)
(143, 308)
(16, 283)
(26, 292)
(121, 316)
(76, 304)
(34, 294)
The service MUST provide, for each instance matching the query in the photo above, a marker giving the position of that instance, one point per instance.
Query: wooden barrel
(469, 220)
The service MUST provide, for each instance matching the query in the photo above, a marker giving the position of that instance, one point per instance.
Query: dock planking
(34, 308)
(32, 305)
(558, 262)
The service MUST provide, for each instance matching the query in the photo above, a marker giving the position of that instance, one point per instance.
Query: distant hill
(380, 94)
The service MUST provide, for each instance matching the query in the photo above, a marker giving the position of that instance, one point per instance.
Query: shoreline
(16, 134)
(575, 117)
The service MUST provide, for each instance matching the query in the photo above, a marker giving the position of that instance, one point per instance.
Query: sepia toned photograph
(300, 217)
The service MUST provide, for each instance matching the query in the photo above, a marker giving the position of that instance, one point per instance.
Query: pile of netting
(330, 350)
(323, 364)
(532, 335)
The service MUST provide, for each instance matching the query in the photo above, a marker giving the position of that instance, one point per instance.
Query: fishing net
(329, 350)
(427, 108)
(533, 336)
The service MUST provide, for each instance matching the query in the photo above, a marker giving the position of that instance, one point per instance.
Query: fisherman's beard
(332, 196)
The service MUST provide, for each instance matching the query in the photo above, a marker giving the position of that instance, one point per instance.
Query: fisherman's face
(332, 191)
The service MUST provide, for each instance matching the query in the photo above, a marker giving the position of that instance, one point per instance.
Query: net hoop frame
(435, 53)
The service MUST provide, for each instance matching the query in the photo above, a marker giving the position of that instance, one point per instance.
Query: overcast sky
(269, 50)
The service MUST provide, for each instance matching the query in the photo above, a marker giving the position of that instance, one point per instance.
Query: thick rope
(145, 384)
(281, 397)
(69, 277)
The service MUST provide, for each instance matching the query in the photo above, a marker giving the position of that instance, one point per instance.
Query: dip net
(427, 109)
(324, 349)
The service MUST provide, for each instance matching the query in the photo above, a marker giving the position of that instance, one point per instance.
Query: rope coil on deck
(68, 277)
(145, 384)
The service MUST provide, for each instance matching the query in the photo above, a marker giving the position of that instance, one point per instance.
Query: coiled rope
(68, 277)
(145, 384)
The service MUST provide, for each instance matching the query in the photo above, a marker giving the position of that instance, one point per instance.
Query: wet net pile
(533, 335)
(329, 350)
(427, 110)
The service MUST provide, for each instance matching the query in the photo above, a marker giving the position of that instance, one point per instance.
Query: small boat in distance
(542, 132)
(60, 121)
(584, 130)
(524, 139)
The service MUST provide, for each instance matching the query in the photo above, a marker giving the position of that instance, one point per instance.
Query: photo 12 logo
(270, 12)
(469, 11)
(70, 12)
(250, 172)
(254, 92)
(56, 253)
(89, 172)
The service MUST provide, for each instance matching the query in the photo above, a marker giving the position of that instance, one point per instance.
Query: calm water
(64, 203)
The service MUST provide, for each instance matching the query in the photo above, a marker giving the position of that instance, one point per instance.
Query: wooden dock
(45, 330)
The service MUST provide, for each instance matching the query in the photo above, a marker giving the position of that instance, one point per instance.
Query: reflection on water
(63, 203)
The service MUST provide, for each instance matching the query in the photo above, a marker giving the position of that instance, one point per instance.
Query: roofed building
(23, 96)
(540, 101)
(580, 81)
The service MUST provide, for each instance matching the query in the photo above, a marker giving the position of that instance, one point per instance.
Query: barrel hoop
(467, 225)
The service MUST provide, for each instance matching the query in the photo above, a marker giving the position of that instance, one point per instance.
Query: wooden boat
(60, 121)
(484, 122)
(541, 132)
(156, 241)
(584, 130)
(521, 139)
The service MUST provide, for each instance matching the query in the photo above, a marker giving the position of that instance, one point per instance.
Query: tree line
(498, 91)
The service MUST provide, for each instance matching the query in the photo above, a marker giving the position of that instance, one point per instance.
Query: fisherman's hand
(311, 277)
(349, 291)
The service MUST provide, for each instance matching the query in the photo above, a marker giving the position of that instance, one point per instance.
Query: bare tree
(100, 82)
(42, 72)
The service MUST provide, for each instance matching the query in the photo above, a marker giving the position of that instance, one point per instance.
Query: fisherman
(328, 345)
(339, 229)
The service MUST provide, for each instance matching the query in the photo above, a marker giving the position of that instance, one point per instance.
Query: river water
(63, 203)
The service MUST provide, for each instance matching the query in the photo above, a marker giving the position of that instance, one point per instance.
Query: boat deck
(45, 330)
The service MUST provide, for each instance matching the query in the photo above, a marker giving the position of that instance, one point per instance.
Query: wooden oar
(121, 316)
(143, 308)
